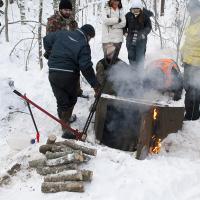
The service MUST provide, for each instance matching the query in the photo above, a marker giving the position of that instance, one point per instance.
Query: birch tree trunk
(55, 5)
(162, 8)
(75, 9)
(6, 21)
(156, 13)
(40, 34)
(22, 11)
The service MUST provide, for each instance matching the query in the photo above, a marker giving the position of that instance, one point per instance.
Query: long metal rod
(37, 132)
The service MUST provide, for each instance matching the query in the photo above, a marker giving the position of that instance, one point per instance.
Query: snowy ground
(171, 175)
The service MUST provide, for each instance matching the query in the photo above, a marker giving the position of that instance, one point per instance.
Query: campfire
(135, 125)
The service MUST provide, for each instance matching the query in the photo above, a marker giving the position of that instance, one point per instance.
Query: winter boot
(65, 116)
(72, 117)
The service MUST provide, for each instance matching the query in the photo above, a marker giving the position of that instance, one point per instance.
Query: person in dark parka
(138, 26)
(69, 53)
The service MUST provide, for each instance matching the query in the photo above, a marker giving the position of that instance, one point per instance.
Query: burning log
(73, 145)
(57, 169)
(75, 157)
(51, 187)
(71, 175)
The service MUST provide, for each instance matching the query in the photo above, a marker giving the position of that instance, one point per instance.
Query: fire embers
(155, 144)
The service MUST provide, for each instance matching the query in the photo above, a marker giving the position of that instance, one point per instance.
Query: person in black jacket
(138, 26)
(68, 54)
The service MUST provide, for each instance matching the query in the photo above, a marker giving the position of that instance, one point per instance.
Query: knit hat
(88, 30)
(137, 4)
(65, 4)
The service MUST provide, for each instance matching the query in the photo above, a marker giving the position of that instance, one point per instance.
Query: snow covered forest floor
(173, 174)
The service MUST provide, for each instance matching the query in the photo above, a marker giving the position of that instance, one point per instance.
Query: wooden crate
(128, 124)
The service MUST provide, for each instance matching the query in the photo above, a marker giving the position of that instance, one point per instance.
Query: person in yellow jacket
(191, 62)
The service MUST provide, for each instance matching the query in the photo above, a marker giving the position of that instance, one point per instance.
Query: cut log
(51, 139)
(75, 146)
(86, 158)
(52, 155)
(71, 175)
(57, 169)
(37, 163)
(53, 148)
(75, 157)
(14, 169)
(52, 187)
(5, 180)
(49, 147)
(87, 175)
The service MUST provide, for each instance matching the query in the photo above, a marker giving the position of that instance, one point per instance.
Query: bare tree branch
(19, 21)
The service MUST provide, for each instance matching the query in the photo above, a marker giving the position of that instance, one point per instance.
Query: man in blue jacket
(68, 54)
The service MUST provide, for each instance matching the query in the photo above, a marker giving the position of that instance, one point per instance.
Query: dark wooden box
(128, 124)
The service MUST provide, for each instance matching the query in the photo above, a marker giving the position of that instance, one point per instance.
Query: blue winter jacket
(69, 51)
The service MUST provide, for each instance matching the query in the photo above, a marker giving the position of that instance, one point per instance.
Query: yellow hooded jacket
(191, 47)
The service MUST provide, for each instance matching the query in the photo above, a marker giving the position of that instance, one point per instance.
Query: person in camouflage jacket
(105, 65)
(62, 19)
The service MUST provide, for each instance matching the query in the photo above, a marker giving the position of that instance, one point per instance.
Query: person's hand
(108, 16)
(119, 20)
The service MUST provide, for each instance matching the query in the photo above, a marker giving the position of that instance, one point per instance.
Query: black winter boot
(65, 118)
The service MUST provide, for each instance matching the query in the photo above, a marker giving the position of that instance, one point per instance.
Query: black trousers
(192, 95)
(64, 86)
(136, 53)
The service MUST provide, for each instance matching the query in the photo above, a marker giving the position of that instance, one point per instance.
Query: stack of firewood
(60, 166)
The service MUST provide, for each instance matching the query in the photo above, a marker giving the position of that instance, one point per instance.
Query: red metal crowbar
(79, 135)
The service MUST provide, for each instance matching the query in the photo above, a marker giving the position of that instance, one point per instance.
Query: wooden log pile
(60, 167)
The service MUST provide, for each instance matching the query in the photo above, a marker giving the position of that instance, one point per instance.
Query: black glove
(108, 16)
(119, 20)
(46, 55)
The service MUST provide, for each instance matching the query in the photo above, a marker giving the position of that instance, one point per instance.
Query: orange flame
(156, 147)
(155, 114)
(156, 142)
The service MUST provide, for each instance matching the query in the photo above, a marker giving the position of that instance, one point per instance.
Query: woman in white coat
(113, 23)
